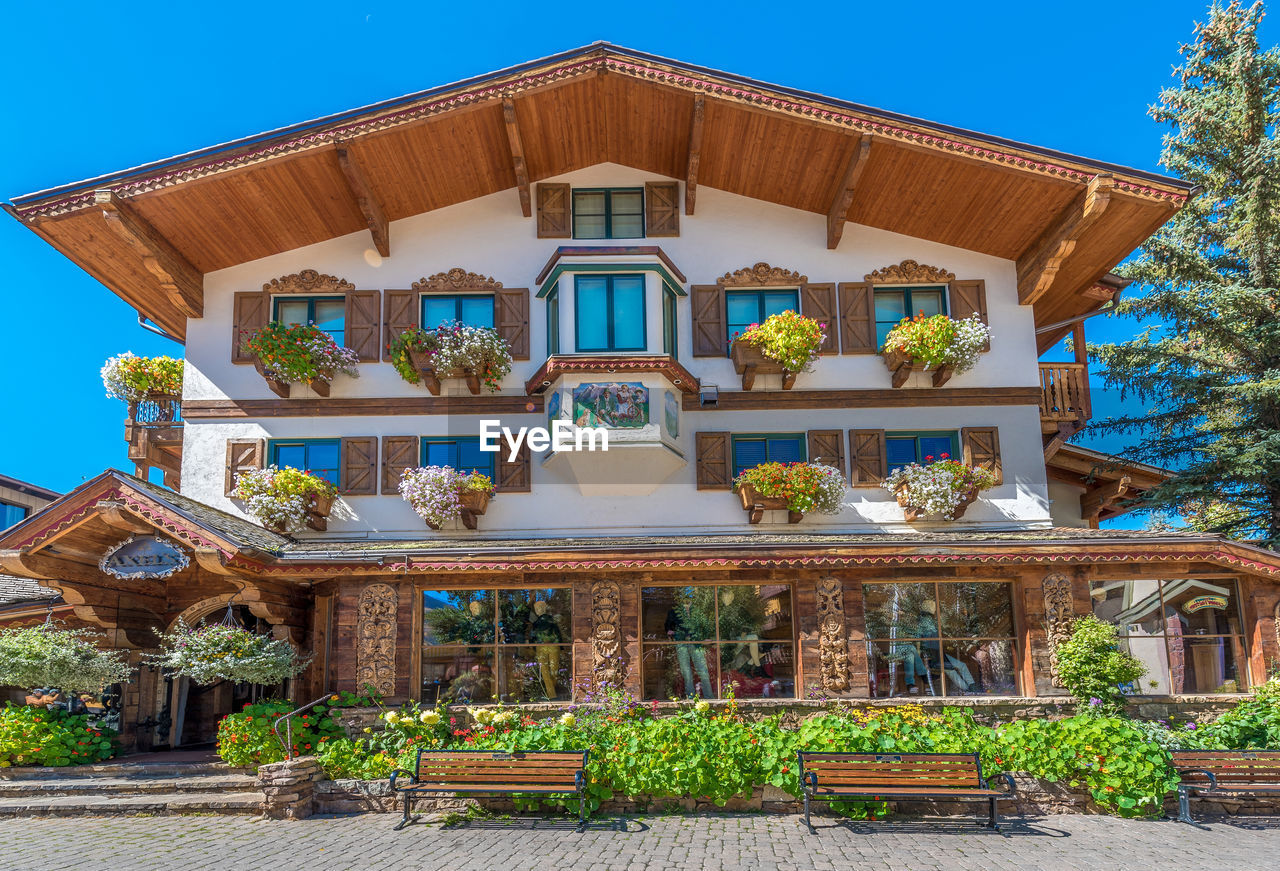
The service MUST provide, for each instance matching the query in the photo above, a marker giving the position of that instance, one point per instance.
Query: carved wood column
(833, 637)
(376, 626)
(607, 663)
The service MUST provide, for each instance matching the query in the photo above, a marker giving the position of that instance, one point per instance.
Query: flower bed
(786, 344)
(440, 493)
(453, 350)
(287, 354)
(945, 488)
(799, 488)
(132, 378)
(946, 345)
(210, 653)
(248, 739)
(36, 736)
(285, 499)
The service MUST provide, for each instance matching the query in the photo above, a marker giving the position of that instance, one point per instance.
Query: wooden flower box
(756, 505)
(749, 361)
(280, 388)
(421, 361)
(912, 513)
(318, 511)
(901, 366)
(474, 503)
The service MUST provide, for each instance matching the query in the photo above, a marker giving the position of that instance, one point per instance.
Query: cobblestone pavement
(635, 844)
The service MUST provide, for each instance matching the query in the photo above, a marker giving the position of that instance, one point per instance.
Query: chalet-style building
(618, 218)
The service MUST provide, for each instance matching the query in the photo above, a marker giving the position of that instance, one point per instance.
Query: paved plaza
(634, 844)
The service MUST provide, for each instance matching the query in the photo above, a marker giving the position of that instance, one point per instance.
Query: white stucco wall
(1064, 504)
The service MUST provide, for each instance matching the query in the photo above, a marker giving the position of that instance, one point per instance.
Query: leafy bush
(788, 338)
(810, 488)
(38, 736)
(344, 758)
(940, 341)
(130, 377)
(65, 659)
(248, 739)
(453, 347)
(281, 498)
(1253, 724)
(1093, 668)
(300, 353)
(940, 487)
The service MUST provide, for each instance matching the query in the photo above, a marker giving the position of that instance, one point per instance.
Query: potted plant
(285, 499)
(797, 488)
(134, 379)
(210, 653)
(441, 493)
(946, 487)
(949, 346)
(785, 344)
(69, 660)
(452, 350)
(287, 354)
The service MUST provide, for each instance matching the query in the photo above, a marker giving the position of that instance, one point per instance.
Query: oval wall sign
(143, 556)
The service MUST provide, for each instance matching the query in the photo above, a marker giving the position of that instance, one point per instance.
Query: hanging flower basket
(453, 350)
(440, 494)
(945, 488)
(64, 659)
(944, 345)
(286, 499)
(209, 653)
(286, 354)
(797, 488)
(134, 379)
(785, 344)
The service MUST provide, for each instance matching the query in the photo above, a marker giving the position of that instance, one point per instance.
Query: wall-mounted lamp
(709, 396)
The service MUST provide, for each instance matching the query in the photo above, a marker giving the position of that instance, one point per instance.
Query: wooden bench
(477, 772)
(1209, 773)
(882, 776)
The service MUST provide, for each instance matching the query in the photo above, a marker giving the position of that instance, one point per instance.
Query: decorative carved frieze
(1059, 614)
(833, 637)
(457, 278)
(909, 272)
(606, 634)
(308, 281)
(762, 275)
(376, 638)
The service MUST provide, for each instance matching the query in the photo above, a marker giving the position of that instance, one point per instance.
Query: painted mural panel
(617, 405)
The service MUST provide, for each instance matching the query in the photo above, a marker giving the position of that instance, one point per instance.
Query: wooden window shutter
(857, 318)
(359, 472)
(364, 323)
(707, 301)
(662, 208)
(398, 453)
(512, 304)
(818, 301)
(514, 476)
(982, 449)
(867, 460)
(399, 313)
(553, 211)
(969, 297)
(249, 313)
(243, 455)
(826, 446)
(714, 461)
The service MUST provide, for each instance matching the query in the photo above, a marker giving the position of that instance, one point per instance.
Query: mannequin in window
(544, 631)
(684, 623)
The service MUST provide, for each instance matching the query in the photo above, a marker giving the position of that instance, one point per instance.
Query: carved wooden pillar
(607, 664)
(833, 636)
(1059, 614)
(376, 639)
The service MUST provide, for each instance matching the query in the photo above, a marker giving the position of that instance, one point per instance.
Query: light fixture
(709, 396)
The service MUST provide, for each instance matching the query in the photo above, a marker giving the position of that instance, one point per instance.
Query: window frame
(553, 321)
(424, 441)
(943, 290)
(24, 511)
(608, 211)
(609, 279)
(759, 294)
(670, 324)
(274, 445)
(801, 439)
(311, 301)
(954, 435)
(457, 299)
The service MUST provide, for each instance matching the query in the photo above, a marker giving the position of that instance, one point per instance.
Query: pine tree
(1210, 367)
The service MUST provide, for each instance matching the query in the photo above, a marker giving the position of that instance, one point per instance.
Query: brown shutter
(249, 313)
(398, 453)
(707, 301)
(512, 305)
(243, 455)
(359, 473)
(364, 322)
(553, 211)
(514, 476)
(399, 313)
(715, 469)
(982, 449)
(867, 457)
(827, 447)
(969, 297)
(857, 318)
(662, 208)
(818, 301)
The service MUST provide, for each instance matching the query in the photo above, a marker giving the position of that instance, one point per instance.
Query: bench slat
(891, 790)
(903, 781)
(495, 764)
(487, 787)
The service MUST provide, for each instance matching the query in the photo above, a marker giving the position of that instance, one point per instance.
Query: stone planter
(756, 505)
(421, 361)
(901, 366)
(749, 361)
(912, 512)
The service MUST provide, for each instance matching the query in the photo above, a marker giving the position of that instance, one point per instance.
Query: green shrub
(1093, 668)
(248, 739)
(38, 736)
(1253, 724)
(345, 758)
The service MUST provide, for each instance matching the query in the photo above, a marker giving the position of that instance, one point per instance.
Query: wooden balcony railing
(153, 430)
(1064, 395)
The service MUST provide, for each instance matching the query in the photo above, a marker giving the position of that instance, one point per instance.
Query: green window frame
(670, 333)
(618, 212)
(455, 451)
(464, 309)
(753, 449)
(889, 317)
(611, 315)
(766, 302)
(320, 457)
(315, 306)
(553, 322)
(923, 447)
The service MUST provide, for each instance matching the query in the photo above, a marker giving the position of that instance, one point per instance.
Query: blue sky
(96, 87)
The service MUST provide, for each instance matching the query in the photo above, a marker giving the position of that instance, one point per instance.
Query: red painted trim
(562, 365)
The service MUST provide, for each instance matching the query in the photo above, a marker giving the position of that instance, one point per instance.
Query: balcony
(1064, 403)
(153, 430)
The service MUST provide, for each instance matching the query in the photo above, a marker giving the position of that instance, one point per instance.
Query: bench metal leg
(992, 822)
(582, 812)
(1184, 805)
(408, 812)
(812, 830)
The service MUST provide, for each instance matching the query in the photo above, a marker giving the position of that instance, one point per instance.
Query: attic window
(608, 213)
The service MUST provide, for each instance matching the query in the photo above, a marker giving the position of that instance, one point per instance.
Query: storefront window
(486, 645)
(940, 639)
(1186, 631)
(701, 641)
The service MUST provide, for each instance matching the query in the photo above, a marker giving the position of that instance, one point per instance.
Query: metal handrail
(287, 719)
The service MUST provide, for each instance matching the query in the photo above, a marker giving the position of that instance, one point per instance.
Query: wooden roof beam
(1098, 499)
(368, 204)
(843, 197)
(182, 283)
(695, 154)
(517, 155)
(1039, 264)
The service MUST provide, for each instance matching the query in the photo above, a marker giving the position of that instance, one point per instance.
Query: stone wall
(289, 787)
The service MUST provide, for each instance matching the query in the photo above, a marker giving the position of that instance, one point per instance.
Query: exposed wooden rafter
(843, 197)
(369, 206)
(182, 283)
(695, 154)
(1098, 499)
(117, 516)
(517, 155)
(1039, 265)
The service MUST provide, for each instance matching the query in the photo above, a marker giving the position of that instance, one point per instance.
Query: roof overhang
(1112, 485)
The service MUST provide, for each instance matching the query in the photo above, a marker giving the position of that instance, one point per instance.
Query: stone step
(138, 770)
(114, 805)
(109, 785)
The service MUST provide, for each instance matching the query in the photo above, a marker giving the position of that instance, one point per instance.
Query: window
(895, 303)
(1187, 632)
(608, 213)
(609, 312)
(329, 313)
(940, 639)
(700, 641)
(750, 451)
(317, 456)
(487, 645)
(746, 307)
(670, 335)
(925, 448)
(11, 514)
(553, 323)
(463, 454)
(474, 310)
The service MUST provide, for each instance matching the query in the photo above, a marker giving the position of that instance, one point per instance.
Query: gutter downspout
(152, 328)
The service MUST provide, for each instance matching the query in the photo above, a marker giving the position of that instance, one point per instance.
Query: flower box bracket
(318, 511)
(431, 378)
(901, 366)
(474, 504)
(749, 361)
(755, 505)
(278, 387)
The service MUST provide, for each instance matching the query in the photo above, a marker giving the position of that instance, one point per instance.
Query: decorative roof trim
(457, 279)
(608, 251)
(308, 281)
(762, 275)
(668, 280)
(909, 272)
(557, 366)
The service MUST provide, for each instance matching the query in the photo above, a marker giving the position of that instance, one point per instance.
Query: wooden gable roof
(150, 233)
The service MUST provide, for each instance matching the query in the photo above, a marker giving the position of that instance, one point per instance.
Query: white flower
(702, 706)
(483, 716)
(568, 720)
(940, 487)
(429, 718)
(502, 717)
(391, 717)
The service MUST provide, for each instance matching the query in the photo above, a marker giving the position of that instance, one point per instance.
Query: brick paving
(748, 841)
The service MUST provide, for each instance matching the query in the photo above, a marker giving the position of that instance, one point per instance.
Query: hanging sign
(1199, 603)
(143, 556)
